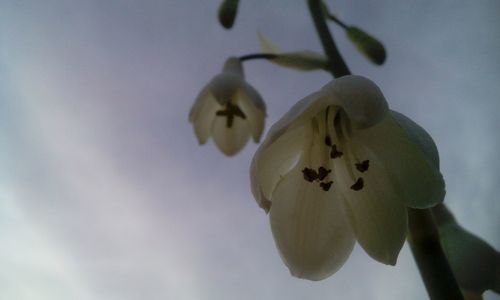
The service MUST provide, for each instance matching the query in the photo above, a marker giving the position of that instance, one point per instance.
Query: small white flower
(340, 167)
(229, 110)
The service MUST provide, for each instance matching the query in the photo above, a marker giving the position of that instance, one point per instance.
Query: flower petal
(252, 105)
(365, 106)
(416, 177)
(310, 228)
(360, 98)
(225, 86)
(378, 215)
(274, 158)
(418, 136)
(230, 140)
(202, 115)
(294, 117)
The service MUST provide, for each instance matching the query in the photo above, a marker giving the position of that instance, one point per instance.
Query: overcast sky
(105, 193)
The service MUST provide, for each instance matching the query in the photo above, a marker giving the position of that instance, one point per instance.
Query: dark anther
(328, 141)
(335, 153)
(358, 185)
(309, 174)
(322, 173)
(230, 111)
(363, 166)
(326, 185)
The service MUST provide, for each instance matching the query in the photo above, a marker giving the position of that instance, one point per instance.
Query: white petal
(251, 104)
(418, 136)
(202, 115)
(274, 158)
(230, 140)
(365, 105)
(416, 178)
(298, 115)
(310, 228)
(378, 215)
(360, 98)
(225, 86)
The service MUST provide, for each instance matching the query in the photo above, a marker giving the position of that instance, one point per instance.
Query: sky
(106, 194)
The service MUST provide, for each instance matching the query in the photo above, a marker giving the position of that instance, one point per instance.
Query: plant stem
(337, 66)
(257, 56)
(429, 256)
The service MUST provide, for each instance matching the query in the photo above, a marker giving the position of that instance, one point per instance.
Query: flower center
(331, 132)
(229, 112)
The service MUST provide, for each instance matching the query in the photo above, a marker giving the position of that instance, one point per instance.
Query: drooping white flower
(229, 110)
(340, 167)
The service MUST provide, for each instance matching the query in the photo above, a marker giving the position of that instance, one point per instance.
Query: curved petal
(274, 158)
(365, 105)
(250, 102)
(416, 178)
(310, 228)
(202, 115)
(360, 98)
(230, 140)
(377, 214)
(418, 136)
(198, 102)
(225, 86)
(295, 117)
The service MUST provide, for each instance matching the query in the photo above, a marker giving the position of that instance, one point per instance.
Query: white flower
(340, 167)
(229, 110)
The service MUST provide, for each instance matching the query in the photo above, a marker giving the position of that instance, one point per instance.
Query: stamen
(328, 141)
(358, 185)
(326, 185)
(363, 166)
(335, 153)
(230, 111)
(322, 173)
(309, 174)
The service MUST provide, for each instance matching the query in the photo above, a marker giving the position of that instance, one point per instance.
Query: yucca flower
(229, 110)
(341, 167)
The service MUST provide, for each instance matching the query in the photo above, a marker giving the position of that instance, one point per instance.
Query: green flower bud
(227, 13)
(367, 45)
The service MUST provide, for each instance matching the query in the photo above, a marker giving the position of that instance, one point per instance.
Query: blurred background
(105, 193)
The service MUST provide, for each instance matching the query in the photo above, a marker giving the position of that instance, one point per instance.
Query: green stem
(337, 66)
(429, 256)
(257, 56)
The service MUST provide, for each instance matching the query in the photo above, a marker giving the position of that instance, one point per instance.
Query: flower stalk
(423, 235)
(268, 56)
(337, 66)
(429, 256)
